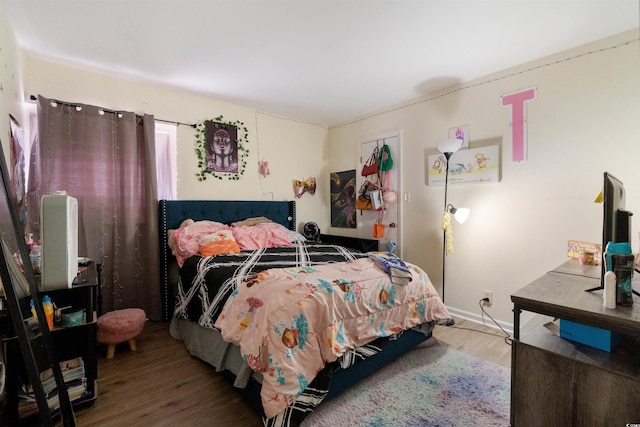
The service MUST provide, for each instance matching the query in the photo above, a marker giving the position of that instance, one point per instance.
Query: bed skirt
(207, 344)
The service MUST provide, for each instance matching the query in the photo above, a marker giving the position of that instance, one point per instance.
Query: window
(166, 161)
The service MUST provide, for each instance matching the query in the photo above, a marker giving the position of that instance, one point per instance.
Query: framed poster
(222, 148)
(476, 165)
(343, 199)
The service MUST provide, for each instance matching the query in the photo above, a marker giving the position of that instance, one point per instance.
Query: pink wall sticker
(518, 124)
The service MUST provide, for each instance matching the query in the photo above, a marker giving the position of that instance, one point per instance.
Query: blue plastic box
(589, 335)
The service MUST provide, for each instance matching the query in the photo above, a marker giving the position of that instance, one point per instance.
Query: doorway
(391, 212)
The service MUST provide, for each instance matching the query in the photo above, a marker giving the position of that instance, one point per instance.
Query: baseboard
(476, 318)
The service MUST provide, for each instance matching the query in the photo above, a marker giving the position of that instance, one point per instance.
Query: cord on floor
(507, 338)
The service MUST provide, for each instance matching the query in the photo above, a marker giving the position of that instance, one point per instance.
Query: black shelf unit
(69, 343)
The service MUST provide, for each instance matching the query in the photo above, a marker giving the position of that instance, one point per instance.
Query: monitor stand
(597, 288)
(603, 271)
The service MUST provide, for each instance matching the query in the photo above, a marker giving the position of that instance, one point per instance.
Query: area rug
(432, 385)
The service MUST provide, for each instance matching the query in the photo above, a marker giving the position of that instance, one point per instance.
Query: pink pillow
(221, 242)
(259, 236)
(187, 239)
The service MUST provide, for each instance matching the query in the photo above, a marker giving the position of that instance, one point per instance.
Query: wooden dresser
(557, 382)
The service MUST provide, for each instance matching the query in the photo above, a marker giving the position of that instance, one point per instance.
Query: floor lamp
(448, 147)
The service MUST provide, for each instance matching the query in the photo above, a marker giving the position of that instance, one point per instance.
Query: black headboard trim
(173, 212)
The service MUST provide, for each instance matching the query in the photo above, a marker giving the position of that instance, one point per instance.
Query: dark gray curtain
(106, 160)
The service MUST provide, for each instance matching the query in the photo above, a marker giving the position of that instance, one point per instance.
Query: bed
(204, 296)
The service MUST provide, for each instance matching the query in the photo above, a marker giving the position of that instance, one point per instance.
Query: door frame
(364, 226)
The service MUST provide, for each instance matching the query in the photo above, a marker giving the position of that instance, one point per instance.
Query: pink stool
(119, 326)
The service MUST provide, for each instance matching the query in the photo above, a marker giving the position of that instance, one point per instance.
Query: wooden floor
(477, 340)
(162, 385)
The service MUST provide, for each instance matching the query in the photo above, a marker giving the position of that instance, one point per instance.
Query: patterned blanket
(290, 322)
(207, 283)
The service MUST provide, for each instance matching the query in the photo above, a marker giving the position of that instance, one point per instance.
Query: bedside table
(362, 245)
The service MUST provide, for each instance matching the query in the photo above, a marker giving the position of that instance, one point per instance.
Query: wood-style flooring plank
(477, 340)
(162, 385)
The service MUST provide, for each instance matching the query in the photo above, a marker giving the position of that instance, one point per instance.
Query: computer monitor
(616, 221)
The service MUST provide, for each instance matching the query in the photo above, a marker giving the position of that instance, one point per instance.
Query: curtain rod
(176, 123)
(106, 110)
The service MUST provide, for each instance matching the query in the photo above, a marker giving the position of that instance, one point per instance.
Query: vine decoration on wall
(221, 149)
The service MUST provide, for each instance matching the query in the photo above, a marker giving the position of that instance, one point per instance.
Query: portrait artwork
(221, 147)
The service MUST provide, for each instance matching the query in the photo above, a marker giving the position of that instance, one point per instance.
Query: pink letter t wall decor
(518, 124)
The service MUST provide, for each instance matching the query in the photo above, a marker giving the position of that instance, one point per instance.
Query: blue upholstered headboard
(173, 212)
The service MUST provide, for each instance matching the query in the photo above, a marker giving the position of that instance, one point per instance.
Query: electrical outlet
(489, 296)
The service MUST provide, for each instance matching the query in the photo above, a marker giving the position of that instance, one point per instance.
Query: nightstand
(362, 245)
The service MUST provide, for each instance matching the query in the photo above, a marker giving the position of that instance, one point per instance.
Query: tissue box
(589, 335)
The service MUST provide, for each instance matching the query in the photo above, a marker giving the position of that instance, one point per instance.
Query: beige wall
(294, 150)
(584, 121)
(11, 99)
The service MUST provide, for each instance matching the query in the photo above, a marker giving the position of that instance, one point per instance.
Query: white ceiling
(318, 61)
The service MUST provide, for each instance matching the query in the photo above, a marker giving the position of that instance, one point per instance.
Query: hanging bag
(374, 193)
(371, 166)
(370, 195)
(376, 199)
(388, 195)
(363, 202)
(385, 161)
(378, 227)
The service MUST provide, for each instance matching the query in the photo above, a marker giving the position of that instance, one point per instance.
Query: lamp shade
(449, 145)
(461, 214)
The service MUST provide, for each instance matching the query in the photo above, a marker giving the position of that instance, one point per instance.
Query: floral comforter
(289, 322)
